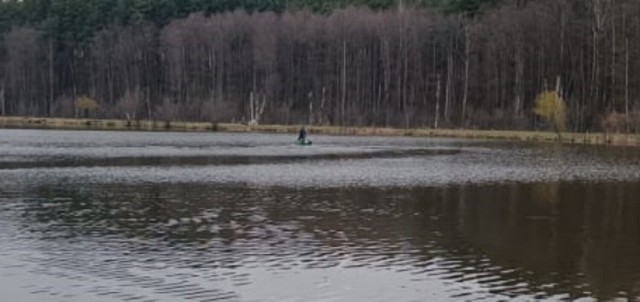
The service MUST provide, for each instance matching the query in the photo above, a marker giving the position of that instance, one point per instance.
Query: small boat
(305, 142)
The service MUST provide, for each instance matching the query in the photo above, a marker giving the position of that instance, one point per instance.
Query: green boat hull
(304, 142)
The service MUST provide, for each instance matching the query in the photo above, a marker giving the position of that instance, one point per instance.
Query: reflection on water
(75, 240)
(540, 240)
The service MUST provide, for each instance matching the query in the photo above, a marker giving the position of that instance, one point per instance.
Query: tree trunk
(467, 58)
(2, 101)
(148, 101)
(321, 119)
(437, 112)
(344, 82)
(51, 79)
(310, 98)
(559, 92)
(448, 87)
(251, 108)
(404, 87)
(75, 92)
(518, 81)
(613, 64)
(626, 81)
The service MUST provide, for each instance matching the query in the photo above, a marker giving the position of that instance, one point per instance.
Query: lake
(150, 216)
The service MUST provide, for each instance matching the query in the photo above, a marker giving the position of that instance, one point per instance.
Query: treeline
(77, 19)
(409, 66)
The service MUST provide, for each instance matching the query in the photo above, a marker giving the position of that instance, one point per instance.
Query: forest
(421, 63)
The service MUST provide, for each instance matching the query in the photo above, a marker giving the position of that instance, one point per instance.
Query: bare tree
(408, 67)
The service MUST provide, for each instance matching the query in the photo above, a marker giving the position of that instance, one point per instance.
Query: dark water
(112, 216)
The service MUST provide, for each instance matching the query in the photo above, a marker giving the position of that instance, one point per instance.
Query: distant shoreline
(19, 122)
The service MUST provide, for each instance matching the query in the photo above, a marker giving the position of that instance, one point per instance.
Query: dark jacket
(303, 134)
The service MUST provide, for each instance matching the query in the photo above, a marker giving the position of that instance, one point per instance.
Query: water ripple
(493, 222)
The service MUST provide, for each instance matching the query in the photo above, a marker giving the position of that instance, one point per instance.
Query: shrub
(551, 108)
(86, 103)
(614, 122)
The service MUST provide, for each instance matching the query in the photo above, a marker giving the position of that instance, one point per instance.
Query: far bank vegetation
(394, 66)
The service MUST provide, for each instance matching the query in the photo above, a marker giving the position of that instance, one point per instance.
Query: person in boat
(303, 135)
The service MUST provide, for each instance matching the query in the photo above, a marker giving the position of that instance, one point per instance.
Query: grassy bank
(532, 136)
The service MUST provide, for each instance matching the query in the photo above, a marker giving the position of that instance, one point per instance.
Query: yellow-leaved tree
(551, 108)
(85, 104)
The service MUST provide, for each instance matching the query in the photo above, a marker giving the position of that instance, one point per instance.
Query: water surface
(134, 216)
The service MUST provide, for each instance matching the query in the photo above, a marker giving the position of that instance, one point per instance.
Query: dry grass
(531, 136)
(99, 124)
